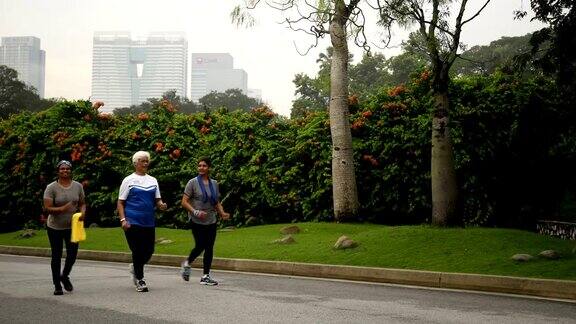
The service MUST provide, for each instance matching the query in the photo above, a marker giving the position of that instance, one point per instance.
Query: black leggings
(204, 238)
(141, 242)
(57, 237)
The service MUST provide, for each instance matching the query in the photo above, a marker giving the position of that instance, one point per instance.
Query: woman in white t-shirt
(138, 199)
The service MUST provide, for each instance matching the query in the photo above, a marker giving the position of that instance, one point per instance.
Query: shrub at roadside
(513, 148)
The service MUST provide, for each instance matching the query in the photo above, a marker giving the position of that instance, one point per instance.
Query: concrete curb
(561, 289)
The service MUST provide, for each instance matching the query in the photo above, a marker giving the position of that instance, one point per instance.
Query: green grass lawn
(470, 250)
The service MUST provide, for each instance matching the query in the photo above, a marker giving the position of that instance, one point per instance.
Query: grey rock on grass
(522, 257)
(344, 242)
(27, 233)
(549, 254)
(288, 239)
(292, 229)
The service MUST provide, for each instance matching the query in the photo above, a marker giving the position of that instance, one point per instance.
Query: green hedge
(514, 146)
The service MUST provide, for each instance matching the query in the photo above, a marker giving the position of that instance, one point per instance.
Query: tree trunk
(345, 195)
(444, 189)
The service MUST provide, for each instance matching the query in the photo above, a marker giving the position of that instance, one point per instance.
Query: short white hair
(140, 154)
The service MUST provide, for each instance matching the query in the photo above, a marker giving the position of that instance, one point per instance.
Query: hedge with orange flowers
(513, 146)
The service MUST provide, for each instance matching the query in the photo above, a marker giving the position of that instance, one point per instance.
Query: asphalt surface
(104, 293)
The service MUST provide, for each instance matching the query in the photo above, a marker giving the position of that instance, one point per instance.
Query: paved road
(104, 293)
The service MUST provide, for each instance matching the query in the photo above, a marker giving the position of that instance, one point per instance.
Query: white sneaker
(185, 271)
(206, 280)
(141, 286)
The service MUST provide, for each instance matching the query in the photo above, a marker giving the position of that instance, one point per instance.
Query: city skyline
(267, 51)
(127, 71)
(24, 54)
(215, 72)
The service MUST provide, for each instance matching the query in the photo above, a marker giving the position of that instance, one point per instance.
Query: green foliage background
(514, 148)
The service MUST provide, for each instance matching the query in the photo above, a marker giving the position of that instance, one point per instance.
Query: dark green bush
(514, 146)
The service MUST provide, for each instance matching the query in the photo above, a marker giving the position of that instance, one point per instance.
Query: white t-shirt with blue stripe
(140, 194)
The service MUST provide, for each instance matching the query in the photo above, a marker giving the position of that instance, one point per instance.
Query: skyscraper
(215, 72)
(128, 71)
(24, 55)
(255, 93)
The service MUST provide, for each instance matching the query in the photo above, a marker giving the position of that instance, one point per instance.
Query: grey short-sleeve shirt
(61, 196)
(193, 191)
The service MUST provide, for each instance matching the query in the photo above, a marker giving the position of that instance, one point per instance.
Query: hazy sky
(266, 52)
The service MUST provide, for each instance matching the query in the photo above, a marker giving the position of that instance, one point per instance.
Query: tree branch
(477, 13)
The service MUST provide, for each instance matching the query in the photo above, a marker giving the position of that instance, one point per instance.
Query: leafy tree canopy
(231, 99)
(557, 58)
(16, 96)
(498, 54)
(177, 102)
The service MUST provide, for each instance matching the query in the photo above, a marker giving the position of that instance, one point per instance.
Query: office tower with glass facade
(24, 55)
(215, 72)
(127, 71)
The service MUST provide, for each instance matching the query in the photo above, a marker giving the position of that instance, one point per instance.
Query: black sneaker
(58, 291)
(66, 282)
(206, 280)
(141, 286)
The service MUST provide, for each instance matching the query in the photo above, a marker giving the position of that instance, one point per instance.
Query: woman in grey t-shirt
(202, 201)
(63, 198)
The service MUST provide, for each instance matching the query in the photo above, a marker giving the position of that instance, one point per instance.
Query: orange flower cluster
(371, 159)
(103, 148)
(395, 107)
(397, 90)
(425, 75)
(167, 104)
(97, 104)
(358, 123)
(87, 117)
(158, 147)
(143, 116)
(204, 129)
(264, 110)
(367, 114)
(175, 154)
(105, 117)
(59, 138)
(352, 100)
(77, 150)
